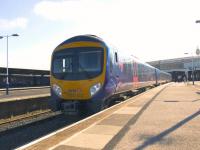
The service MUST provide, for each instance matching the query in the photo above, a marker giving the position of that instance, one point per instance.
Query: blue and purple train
(87, 73)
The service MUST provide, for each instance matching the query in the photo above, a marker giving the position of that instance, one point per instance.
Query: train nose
(74, 92)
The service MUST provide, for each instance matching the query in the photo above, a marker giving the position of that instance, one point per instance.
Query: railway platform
(166, 117)
(21, 101)
(24, 93)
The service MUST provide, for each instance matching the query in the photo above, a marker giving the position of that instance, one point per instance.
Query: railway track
(17, 121)
(16, 134)
(21, 117)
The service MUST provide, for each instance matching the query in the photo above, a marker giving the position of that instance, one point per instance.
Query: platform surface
(18, 94)
(172, 121)
(166, 117)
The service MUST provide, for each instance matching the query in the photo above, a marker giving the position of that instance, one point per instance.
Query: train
(87, 73)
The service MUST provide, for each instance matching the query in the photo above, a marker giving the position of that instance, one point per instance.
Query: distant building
(24, 77)
(180, 68)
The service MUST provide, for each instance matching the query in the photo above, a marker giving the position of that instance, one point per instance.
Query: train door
(156, 76)
(114, 72)
(117, 70)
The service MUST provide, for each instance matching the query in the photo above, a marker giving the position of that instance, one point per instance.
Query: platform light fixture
(7, 73)
(197, 50)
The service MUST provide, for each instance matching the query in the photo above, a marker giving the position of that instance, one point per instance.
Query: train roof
(87, 37)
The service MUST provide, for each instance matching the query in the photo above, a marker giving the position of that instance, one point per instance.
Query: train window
(116, 57)
(68, 64)
(77, 63)
(57, 63)
(62, 65)
(90, 61)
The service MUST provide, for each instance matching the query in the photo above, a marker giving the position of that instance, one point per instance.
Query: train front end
(78, 74)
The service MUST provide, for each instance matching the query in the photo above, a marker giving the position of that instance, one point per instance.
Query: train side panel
(129, 74)
(163, 77)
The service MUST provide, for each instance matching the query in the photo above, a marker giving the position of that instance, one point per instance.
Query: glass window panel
(90, 61)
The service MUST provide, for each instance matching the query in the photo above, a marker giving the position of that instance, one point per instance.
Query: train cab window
(68, 64)
(56, 64)
(90, 61)
(78, 63)
(116, 57)
(62, 65)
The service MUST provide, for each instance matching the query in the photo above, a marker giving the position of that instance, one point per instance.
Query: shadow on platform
(126, 128)
(160, 136)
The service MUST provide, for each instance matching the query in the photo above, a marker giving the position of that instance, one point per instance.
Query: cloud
(52, 10)
(142, 27)
(67, 9)
(19, 22)
(35, 57)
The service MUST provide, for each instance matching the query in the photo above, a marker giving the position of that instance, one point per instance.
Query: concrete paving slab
(128, 110)
(116, 120)
(103, 130)
(92, 141)
(66, 147)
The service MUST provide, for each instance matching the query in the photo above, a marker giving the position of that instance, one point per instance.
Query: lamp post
(192, 68)
(197, 51)
(7, 73)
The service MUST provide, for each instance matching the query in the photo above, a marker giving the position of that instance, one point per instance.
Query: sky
(148, 29)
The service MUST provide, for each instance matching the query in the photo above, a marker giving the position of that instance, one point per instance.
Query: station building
(24, 77)
(180, 68)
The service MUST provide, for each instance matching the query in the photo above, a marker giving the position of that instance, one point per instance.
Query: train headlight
(95, 88)
(57, 90)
